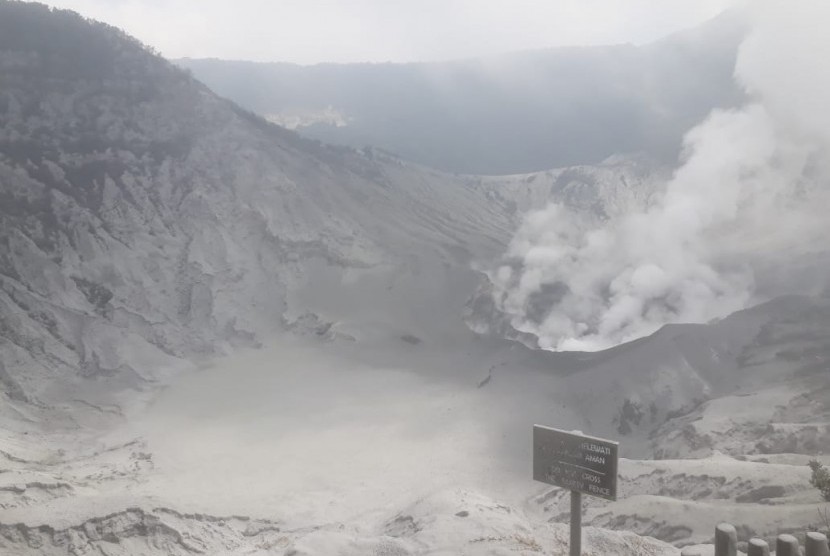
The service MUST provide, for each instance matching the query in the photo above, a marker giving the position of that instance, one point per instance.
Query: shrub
(820, 478)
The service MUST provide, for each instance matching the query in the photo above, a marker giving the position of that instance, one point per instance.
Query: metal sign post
(576, 523)
(580, 463)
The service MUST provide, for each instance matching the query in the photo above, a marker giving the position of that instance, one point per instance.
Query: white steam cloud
(752, 183)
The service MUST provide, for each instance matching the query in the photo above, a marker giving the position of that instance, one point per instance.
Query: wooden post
(758, 547)
(816, 544)
(576, 523)
(787, 545)
(726, 540)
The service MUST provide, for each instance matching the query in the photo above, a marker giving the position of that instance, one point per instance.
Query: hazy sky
(310, 31)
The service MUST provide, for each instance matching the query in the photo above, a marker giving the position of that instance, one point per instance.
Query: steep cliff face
(143, 218)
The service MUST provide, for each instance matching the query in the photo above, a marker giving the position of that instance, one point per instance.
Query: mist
(749, 189)
(320, 31)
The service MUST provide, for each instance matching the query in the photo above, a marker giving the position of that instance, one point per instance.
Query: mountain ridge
(513, 113)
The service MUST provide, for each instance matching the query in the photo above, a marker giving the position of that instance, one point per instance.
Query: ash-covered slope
(143, 218)
(731, 411)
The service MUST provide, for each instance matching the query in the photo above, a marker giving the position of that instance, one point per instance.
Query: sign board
(575, 461)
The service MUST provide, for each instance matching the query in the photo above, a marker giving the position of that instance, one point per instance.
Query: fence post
(787, 545)
(758, 547)
(816, 544)
(726, 540)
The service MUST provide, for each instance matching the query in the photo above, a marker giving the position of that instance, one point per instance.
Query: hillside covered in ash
(144, 218)
(219, 337)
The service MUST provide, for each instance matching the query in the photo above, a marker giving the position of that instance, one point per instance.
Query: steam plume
(751, 186)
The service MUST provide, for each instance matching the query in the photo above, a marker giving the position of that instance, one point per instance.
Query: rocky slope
(439, 524)
(143, 218)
